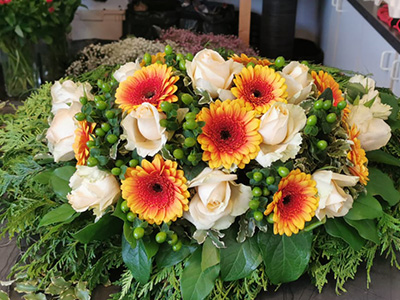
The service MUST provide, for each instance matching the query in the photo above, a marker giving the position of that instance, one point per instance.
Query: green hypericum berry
(166, 106)
(342, 105)
(182, 65)
(304, 62)
(163, 122)
(83, 100)
(112, 138)
(106, 127)
(250, 64)
(322, 144)
(312, 120)
(257, 176)
(161, 237)
(173, 239)
(101, 105)
(258, 216)
(97, 98)
(180, 57)
(191, 157)
(191, 124)
(318, 104)
(99, 132)
(331, 118)
(130, 216)
(270, 218)
(110, 114)
(190, 142)
(168, 50)
(190, 116)
(178, 153)
(147, 58)
(186, 98)
(283, 171)
(257, 192)
(133, 163)
(270, 180)
(99, 83)
(189, 56)
(177, 246)
(92, 161)
(254, 204)
(124, 207)
(119, 163)
(80, 116)
(327, 104)
(90, 144)
(279, 61)
(138, 233)
(266, 192)
(116, 171)
(106, 87)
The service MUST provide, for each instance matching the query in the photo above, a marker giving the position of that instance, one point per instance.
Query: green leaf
(60, 180)
(238, 260)
(210, 255)
(19, 31)
(136, 260)
(382, 185)
(81, 292)
(128, 233)
(339, 228)
(151, 246)
(366, 228)
(38, 296)
(326, 94)
(195, 283)
(383, 157)
(167, 257)
(3, 296)
(191, 172)
(62, 214)
(101, 230)
(43, 177)
(354, 90)
(285, 258)
(118, 212)
(365, 207)
(392, 101)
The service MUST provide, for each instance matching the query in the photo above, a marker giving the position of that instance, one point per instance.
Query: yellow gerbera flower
(357, 155)
(82, 136)
(324, 80)
(230, 135)
(294, 203)
(156, 191)
(259, 88)
(244, 59)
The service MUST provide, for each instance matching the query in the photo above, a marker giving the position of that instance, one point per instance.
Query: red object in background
(383, 15)
(49, 1)
(51, 9)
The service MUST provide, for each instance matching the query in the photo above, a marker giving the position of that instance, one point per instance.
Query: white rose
(378, 109)
(374, 132)
(126, 70)
(61, 133)
(65, 94)
(280, 129)
(299, 82)
(218, 200)
(92, 189)
(142, 130)
(333, 201)
(209, 71)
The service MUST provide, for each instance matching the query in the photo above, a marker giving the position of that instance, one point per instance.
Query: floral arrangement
(198, 176)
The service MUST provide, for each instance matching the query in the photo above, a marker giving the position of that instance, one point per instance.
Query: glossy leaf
(62, 214)
(195, 283)
(383, 157)
(60, 180)
(43, 177)
(118, 212)
(285, 258)
(392, 101)
(238, 260)
(136, 260)
(339, 228)
(128, 233)
(382, 185)
(366, 229)
(101, 230)
(167, 257)
(210, 255)
(365, 207)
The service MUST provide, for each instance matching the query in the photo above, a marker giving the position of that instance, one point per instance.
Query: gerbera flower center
(286, 200)
(229, 134)
(257, 93)
(149, 95)
(157, 188)
(225, 134)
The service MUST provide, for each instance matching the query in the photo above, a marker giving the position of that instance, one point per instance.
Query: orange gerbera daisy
(259, 87)
(294, 203)
(244, 59)
(324, 80)
(156, 191)
(82, 136)
(153, 84)
(357, 155)
(230, 135)
(160, 56)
